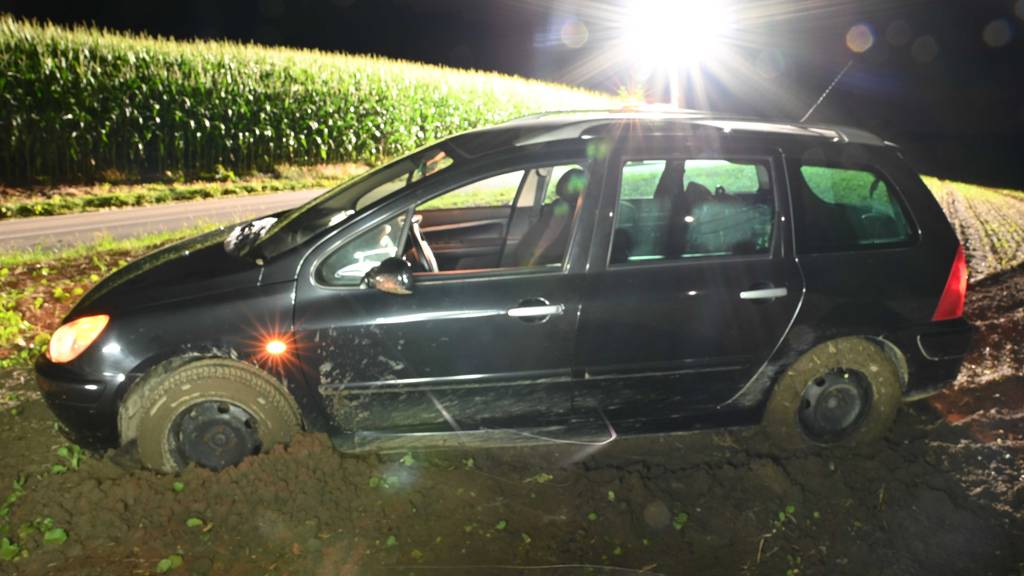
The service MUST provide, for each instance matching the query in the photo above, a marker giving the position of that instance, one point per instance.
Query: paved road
(65, 230)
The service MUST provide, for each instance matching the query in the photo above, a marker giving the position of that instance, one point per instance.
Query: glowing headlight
(73, 338)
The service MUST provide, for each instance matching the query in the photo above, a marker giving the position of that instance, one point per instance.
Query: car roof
(582, 124)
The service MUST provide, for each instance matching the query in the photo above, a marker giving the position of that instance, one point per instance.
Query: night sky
(945, 79)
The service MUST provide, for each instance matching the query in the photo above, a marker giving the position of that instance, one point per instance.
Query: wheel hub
(834, 404)
(215, 435)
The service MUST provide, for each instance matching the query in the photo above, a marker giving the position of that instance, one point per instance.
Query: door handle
(535, 310)
(764, 293)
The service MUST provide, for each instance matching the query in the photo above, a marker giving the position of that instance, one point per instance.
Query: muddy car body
(549, 277)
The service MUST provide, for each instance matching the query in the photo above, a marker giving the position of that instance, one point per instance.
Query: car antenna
(827, 90)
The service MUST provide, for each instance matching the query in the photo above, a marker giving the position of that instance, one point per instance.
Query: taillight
(951, 305)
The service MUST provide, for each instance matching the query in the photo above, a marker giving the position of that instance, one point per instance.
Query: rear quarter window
(843, 208)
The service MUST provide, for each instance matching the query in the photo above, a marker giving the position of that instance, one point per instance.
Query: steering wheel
(419, 244)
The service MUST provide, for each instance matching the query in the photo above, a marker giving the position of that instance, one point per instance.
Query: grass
(80, 103)
(38, 287)
(15, 203)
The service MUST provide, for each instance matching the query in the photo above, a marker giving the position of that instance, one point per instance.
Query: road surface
(69, 229)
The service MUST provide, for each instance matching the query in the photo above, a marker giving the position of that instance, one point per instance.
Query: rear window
(841, 208)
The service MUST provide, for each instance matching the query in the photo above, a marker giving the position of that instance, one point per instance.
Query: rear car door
(487, 337)
(692, 280)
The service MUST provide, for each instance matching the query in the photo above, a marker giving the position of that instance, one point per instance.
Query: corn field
(82, 103)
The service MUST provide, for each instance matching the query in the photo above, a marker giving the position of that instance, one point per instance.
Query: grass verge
(39, 201)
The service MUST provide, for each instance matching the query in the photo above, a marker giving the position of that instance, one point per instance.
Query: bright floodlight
(668, 34)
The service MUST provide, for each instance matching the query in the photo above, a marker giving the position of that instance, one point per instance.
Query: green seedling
(55, 536)
(72, 453)
(416, 554)
(540, 478)
(407, 459)
(178, 487)
(501, 525)
(680, 520)
(8, 550)
(611, 496)
(592, 516)
(391, 541)
(194, 522)
(170, 563)
(469, 463)
(18, 490)
(617, 551)
(526, 538)
(383, 482)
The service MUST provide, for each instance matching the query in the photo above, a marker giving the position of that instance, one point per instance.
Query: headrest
(571, 185)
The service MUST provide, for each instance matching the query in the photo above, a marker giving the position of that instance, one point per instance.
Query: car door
(692, 282)
(487, 346)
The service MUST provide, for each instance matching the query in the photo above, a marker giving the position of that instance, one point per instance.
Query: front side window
(347, 265)
(503, 221)
(672, 209)
(519, 219)
(841, 208)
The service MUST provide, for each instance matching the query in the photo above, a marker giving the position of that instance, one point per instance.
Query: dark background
(930, 82)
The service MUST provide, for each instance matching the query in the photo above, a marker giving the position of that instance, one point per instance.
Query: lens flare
(860, 38)
(276, 347)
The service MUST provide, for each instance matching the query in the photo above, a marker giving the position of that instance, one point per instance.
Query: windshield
(342, 202)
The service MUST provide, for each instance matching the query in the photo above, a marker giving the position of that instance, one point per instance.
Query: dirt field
(944, 494)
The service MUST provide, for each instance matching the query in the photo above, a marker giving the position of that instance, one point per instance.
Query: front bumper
(86, 408)
(934, 355)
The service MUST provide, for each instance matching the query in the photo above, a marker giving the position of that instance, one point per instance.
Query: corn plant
(84, 104)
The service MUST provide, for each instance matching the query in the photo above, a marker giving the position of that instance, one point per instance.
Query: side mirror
(393, 275)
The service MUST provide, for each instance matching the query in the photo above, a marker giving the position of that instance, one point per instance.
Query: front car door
(487, 337)
(692, 280)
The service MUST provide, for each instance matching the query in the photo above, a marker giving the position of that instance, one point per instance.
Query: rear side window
(674, 209)
(842, 208)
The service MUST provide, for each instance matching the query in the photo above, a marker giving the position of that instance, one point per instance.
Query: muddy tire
(844, 392)
(212, 412)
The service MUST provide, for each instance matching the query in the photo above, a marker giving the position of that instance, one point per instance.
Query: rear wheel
(842, 392)
(213, 413)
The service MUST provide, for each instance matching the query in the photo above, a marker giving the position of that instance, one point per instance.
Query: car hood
(191, 268)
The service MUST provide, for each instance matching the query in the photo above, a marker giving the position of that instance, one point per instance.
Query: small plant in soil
(72, 455)
(680, 520)
(17, 491)
(540, 478)
(169, 563)
(8, 550)
(178, 487)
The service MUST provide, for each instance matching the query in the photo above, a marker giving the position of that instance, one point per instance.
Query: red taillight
(951, 305)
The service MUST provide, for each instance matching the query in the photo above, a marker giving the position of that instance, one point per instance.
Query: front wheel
(842, 392)
(213, 413)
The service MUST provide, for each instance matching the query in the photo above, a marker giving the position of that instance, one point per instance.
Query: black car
(560, 276)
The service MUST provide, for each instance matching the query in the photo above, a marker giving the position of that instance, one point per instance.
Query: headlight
(73, 338)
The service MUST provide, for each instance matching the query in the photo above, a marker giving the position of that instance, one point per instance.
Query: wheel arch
(756, 392)
(132, 397)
